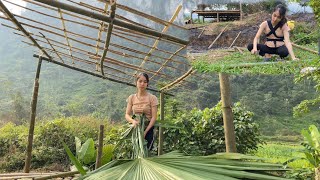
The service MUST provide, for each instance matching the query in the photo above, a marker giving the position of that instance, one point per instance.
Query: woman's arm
(257, 37)
(128, 114)
(287, 41)
(154, 110)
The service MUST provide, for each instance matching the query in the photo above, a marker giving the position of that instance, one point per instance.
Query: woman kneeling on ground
(277, 33)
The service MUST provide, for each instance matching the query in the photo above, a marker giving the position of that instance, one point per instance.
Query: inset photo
(238, 36)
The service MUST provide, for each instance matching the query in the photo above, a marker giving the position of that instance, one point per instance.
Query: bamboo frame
(34, 101)
(107, 42)
(165, 29)
(94, 74)
(107, 19)
(218, 37)
(65, 33)
(179, 80)
(72, 51)
(147, 16)
(235, 39)
(9, 15)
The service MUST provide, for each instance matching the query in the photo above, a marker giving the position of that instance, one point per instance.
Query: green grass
(237, 63)
(281, 152)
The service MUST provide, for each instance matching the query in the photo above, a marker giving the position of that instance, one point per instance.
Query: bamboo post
(228, 125)
(235, 39)
(191, 20)
(319, 46)
(218, 36)
(100, 147)
(241, 14)
(161, 136)
(107, 42)
(33, 117)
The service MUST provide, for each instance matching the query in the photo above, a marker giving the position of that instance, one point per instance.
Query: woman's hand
(134, 123)
(144, 134)
(295, 59)
(254, 51)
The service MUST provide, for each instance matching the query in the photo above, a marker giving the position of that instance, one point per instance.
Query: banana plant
(86, 154)
(175, 165)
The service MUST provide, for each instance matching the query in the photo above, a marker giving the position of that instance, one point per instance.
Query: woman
(277, 33)
(143, 103)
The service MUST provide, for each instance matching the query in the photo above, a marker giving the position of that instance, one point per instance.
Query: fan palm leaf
(175, 165)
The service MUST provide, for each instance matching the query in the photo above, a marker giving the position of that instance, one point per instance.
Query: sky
(15, 9)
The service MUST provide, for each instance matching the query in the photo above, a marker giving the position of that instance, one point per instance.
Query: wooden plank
(218, 36)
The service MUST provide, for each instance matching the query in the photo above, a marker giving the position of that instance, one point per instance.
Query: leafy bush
(48, 138)
(202, 132)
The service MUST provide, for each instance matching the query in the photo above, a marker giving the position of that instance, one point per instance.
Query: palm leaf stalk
(175, 165)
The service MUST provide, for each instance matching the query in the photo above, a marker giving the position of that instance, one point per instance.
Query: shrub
(201, 132)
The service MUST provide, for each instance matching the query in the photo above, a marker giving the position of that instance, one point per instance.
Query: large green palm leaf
(175, 165)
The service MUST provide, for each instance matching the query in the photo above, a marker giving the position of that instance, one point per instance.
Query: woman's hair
(282, 11)
(142, 74)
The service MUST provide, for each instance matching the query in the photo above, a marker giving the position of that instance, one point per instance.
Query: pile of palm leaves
(175, 165)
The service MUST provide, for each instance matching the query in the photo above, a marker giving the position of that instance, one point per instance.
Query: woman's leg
(282, 51)
(263, 49)
(149, 137)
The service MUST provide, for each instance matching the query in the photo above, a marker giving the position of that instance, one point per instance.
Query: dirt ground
(248, 27)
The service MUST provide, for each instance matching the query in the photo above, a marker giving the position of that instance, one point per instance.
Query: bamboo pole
(60, 175)
(85, 53)
(201, 32)
(113, 61)
(80, 35)
(165, 29)
(33, 116)
(228, 125)
(9, 15)
(100, 147)
(168, 86)
(218, 36)
(131, 33)
(103, 11)
(161, 135)
(164, 64)
(115, 21)
(107, 42)
(144, 15)
(239, 49)
(43, 36)
(102, 24)
(304, 48)
(94, 74)
(241, 13)
(235, 39)
(65, 33)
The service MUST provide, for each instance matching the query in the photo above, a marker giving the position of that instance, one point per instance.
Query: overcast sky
(15, 9)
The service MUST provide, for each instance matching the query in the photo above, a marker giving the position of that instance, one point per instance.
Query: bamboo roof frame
(106, 22)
